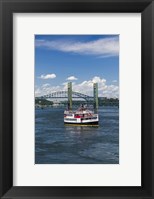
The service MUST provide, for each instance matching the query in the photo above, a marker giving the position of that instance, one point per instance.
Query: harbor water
(56, 143)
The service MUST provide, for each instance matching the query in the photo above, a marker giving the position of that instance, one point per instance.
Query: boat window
(69, 115)
(70, 119)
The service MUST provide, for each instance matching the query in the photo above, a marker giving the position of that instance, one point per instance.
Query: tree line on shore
(101, 101)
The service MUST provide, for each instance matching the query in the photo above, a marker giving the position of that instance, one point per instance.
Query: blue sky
(81, 59)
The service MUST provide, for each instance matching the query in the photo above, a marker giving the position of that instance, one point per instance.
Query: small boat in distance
(82, 116)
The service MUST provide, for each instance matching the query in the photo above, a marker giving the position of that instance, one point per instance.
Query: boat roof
(78, 111)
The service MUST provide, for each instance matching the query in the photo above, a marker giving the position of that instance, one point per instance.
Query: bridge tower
(69, 95)
(95, 88)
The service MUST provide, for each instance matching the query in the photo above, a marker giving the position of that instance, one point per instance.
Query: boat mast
(69, 95)
(95, 89)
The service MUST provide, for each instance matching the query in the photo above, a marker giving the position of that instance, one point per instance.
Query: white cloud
(45, 85)
(38, 92)
(48, 76)
(114, 81)
(105, 47)
(72, 78)
(85, 87)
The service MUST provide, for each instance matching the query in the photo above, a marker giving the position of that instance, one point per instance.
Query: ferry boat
(81, 117)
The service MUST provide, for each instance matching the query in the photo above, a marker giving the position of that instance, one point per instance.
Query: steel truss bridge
(64, 95)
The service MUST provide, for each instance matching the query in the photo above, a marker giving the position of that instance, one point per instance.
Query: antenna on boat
(95, 88)
(69, 95)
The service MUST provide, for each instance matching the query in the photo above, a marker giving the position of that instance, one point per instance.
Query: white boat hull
(82, 121)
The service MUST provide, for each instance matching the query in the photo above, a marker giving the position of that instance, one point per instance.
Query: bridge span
(64, 95)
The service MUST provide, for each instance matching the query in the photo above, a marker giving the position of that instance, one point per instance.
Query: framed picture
(79, 96)
(76, 99)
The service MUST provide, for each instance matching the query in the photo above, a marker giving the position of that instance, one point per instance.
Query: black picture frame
(7, 8)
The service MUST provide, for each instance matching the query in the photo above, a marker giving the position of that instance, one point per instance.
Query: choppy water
(59, 144)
